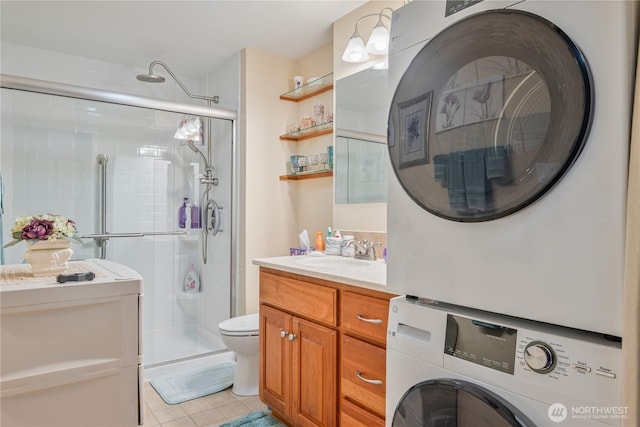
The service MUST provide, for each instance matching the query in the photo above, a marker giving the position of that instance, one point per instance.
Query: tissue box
(297, 251)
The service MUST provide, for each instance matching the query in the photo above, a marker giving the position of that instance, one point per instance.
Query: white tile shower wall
(38, 179)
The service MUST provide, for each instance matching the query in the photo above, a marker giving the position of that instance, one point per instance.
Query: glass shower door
(49, 163)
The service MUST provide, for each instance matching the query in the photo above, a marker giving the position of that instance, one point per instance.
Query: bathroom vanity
(323, 325)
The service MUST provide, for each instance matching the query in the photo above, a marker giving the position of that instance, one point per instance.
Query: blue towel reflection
(466, 175)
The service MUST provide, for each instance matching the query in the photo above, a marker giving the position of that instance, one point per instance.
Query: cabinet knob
(367, 380)
(364, 319)
(284, 334)
(292, 337)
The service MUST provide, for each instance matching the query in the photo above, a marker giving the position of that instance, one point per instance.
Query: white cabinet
(71, 353)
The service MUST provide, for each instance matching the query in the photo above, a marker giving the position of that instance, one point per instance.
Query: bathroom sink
(332, 261)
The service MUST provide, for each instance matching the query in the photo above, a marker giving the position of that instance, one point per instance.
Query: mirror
(362, 108)
(360, 170)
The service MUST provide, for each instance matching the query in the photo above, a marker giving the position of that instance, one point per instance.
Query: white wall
(276, 211)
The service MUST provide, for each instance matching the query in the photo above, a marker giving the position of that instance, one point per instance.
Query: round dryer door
(455, 403)
(489, 115)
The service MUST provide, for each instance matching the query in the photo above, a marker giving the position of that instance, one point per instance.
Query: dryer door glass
(489, 115)
(455, 403)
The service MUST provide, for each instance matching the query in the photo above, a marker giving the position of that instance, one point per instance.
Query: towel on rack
(475, 179)
(467, 175)
(455, 180)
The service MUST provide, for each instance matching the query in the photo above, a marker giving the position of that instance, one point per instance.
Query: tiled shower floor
(208, 411)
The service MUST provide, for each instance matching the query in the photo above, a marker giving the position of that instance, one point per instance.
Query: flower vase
(48, 257)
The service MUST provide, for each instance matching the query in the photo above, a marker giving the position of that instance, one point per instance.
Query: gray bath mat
(181, 386)
(255, 419)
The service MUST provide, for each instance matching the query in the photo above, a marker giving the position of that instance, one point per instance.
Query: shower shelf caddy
(316, 87)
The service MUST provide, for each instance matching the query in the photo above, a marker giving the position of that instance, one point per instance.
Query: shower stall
(110, 162)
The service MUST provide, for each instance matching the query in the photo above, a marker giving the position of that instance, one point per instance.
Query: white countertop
(18, 287)
(364, 274)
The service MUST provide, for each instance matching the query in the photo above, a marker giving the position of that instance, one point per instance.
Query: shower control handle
(212, 217)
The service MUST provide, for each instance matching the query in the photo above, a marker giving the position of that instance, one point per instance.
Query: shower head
(193, 147)
(154, 78)
(150, 78)
(207, 165)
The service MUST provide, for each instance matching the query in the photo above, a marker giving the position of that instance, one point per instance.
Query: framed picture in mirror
(414, 130)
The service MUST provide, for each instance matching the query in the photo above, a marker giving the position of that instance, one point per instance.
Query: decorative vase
(48, 257)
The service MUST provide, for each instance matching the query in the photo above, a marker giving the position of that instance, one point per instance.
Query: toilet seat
(247, 325)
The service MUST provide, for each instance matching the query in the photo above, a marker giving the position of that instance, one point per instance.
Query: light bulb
(378, 43)
(355, 51)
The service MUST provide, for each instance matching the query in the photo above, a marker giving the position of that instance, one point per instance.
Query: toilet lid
(241, 324)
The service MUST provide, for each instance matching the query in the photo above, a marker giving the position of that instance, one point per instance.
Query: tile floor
(207, 411)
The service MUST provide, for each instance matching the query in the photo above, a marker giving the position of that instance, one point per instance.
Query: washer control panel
(540, 357)
(568, 357)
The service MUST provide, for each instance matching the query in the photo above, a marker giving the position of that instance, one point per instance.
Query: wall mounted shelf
(321, 84)
(307, 175)
(311, 132)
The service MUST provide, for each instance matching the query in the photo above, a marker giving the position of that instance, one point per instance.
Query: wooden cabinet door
(275, 359)
(314, 374)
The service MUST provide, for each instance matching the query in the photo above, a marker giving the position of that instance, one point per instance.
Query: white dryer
(448, 366)
(509, 135)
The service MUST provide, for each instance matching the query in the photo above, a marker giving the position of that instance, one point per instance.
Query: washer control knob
(540, 357)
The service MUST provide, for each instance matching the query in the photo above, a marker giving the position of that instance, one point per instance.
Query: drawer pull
(292, 337)
(367, 380)
(364, 319)
(283, 334)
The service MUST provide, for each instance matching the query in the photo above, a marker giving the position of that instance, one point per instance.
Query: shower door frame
(46, 87)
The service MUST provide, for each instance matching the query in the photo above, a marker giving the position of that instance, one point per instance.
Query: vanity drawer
(352, 415)
(365, 316)
(363, 374)
(315, 302)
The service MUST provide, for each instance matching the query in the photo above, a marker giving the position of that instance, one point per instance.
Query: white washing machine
(448, 366)
(509, 136)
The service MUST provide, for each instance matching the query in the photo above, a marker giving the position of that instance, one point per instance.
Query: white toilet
(240, 334)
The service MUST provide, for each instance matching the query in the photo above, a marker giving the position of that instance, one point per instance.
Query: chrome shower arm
(214, 99)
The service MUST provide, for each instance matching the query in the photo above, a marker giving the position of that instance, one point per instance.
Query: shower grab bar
(103, 235)
(139, 234)
(109, 235)
(101, 243)
(165, 233)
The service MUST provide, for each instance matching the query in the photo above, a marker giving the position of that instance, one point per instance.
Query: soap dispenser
(319, 241)
(195, 216)
(182, 214)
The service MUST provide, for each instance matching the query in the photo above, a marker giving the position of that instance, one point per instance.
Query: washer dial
(540, 357)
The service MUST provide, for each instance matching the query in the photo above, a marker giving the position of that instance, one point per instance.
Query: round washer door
(455, 403)
(489, 115)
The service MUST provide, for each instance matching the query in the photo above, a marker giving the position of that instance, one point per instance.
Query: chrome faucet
(364, 249)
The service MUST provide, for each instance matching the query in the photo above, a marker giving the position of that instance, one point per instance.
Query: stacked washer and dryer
(509, 134)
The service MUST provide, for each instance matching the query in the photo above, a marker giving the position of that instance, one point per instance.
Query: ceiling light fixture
(378, 43)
